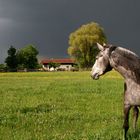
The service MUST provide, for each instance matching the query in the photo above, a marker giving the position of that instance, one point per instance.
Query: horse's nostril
(96, 76)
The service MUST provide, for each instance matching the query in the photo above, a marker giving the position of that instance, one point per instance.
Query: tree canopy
(82, 43)
(27, 57)
(24, 58)
(11, 60)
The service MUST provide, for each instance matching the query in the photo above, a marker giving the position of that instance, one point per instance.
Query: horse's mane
(127, 59)
(127, 53)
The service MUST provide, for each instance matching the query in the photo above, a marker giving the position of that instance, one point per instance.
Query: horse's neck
(125, 67)
(125, 73)
(129, 76)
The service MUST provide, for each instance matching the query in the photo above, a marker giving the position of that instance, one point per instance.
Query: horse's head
(102, 64)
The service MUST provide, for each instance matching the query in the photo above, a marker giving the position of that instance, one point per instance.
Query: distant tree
(27, 57)
(11, 60)
(3, 68)
(82, 43)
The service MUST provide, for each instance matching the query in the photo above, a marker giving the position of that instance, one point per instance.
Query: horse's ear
(100, 47)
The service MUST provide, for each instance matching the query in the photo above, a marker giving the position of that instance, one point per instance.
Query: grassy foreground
(61, 106)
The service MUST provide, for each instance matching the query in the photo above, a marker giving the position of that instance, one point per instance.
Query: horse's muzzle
(95, 76)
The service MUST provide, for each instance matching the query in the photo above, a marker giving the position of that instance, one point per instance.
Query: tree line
(82, 47)
(24, 58)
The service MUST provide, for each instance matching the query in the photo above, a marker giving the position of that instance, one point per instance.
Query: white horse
(127, 64)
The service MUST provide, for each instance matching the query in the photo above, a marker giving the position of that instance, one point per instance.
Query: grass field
(61, 106)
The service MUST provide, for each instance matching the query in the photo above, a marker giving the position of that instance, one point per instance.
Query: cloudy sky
(48, 23)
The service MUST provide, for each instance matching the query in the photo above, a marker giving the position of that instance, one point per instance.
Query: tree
(27, 57)
(11, 60)
(82, 43)
(3, 68)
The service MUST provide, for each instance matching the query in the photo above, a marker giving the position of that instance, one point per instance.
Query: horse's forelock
(111, 48)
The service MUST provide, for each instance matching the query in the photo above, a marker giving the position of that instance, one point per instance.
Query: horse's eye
(96, 57)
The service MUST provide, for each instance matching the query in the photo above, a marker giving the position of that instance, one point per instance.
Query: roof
(61, 61)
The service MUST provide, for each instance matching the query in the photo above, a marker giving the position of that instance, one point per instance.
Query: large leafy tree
(11, 60)
(27, 57)
(82, 43)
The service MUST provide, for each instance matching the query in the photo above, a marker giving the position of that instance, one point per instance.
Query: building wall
(66, 67)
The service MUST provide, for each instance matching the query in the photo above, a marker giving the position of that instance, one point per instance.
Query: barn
(64, 64)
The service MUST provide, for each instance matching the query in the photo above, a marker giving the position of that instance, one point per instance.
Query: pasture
(62, 106)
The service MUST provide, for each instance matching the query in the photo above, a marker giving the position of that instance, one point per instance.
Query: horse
(127, 63)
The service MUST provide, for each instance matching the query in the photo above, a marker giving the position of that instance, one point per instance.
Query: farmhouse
(63, 64)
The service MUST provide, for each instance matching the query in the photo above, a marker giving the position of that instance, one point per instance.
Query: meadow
(62, 106)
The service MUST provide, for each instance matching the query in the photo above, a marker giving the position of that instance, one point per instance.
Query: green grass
(61, 106)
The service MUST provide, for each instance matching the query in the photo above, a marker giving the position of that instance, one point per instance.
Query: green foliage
(21, 59)
(82, 43)
(27, 57)
(3, 67)
(11, 60)
(54, 65)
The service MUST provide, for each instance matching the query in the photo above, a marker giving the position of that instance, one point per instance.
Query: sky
(47, 24)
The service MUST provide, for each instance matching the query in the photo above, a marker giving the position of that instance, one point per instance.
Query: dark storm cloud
(48, 23)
